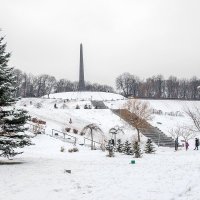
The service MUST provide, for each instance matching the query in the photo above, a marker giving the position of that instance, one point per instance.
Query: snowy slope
(80, 96)
(59, 118)
(172, 112)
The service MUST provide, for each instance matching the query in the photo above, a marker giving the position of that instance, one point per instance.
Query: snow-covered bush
(75, 149)
(82, 133)
(127, 149)
(62, 149)
(75, 131)
(137, 150)
(149, 148)
(111, 149)
(38, 105)
(68, 129)
(77, 106)
(119, 146)
(64, 106)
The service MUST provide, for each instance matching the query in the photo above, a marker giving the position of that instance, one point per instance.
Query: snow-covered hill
(85, 96)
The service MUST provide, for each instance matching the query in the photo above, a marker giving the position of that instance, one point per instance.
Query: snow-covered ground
(39, 172)
(82, 96)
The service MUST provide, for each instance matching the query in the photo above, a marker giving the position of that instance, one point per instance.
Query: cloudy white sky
(143, 37)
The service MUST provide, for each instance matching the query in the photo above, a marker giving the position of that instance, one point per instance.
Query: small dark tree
(119, 146)
(77, 106)
(136, 149)
(110, 148)
(127, 148)
(149, 148)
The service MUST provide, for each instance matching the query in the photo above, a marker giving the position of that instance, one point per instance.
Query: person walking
(186, 145)
(176, 144)
(196, 144)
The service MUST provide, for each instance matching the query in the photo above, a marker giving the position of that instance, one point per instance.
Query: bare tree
(187, 133)
(127, 83)
(175, 132)
(116, 130)
(50, 84)
(90, 129)
(194, 115)
(140, 114)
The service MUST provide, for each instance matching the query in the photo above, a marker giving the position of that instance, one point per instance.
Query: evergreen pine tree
(11, 121)
(136, 149)
(119, 146)
(111, 150)
(149, 148)
(127, 148)
(6, 76)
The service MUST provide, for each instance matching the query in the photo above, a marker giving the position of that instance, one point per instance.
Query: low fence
(95, 144)
(64, 136)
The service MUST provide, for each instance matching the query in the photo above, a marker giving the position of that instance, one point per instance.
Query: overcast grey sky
(143, 37)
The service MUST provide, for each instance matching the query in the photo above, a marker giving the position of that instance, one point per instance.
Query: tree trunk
(91, 140)
(138, 132)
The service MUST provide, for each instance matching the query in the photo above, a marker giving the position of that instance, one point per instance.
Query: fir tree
(6, 76)
(111, 149)
(149, 148)
(127, 148)
(119, 146)
(136, 149)
(11, 121)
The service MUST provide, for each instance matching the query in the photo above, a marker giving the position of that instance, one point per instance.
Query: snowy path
(166, 175)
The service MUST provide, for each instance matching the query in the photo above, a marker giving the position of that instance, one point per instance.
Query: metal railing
(55, 133)
(94, 142)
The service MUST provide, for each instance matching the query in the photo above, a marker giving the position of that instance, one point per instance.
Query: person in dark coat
(196, 144)
(176, 144)
(186, 145)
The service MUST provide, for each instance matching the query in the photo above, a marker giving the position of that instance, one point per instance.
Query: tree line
(159, 88)
(28, 85)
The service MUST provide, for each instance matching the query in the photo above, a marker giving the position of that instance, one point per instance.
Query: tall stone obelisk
(81, 85)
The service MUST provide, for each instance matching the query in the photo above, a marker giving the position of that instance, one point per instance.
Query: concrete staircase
(154, 133)
(99, 105)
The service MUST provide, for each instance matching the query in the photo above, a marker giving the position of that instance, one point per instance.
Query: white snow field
(39, 173)
(87, 96)
(166, 175)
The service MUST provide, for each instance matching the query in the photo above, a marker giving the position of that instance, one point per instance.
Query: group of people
(187, 144)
